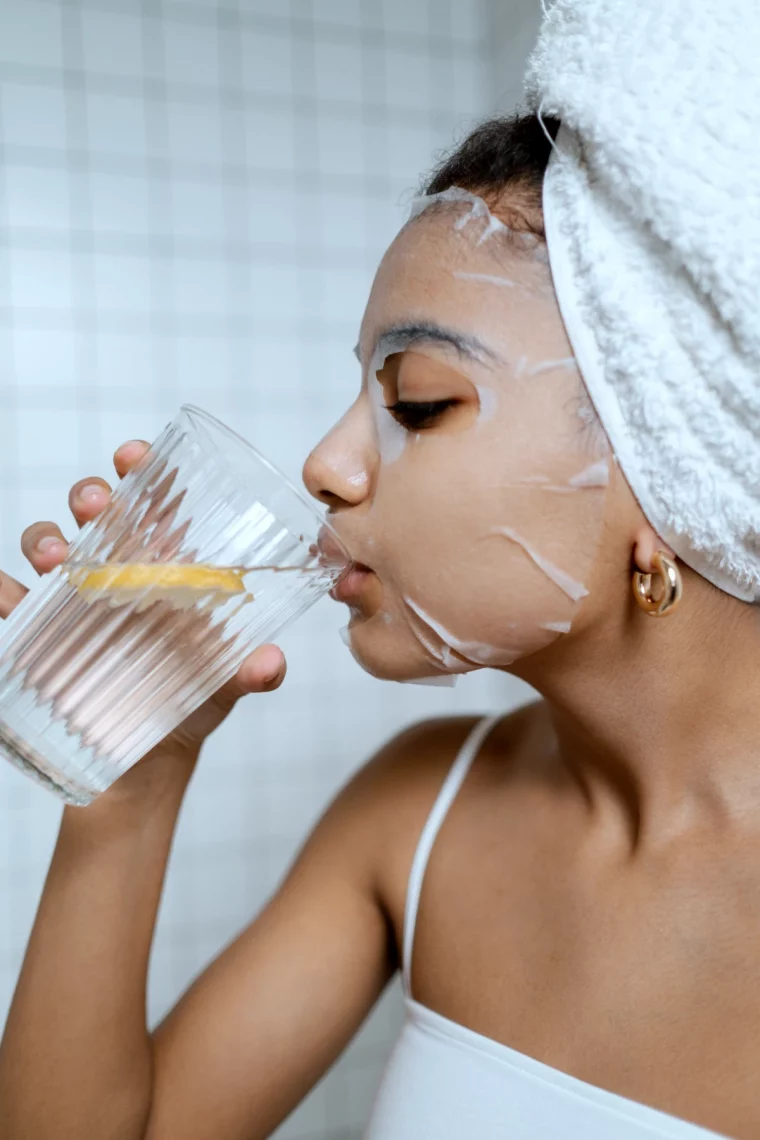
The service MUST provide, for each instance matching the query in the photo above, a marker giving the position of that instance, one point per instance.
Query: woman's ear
(646, 543)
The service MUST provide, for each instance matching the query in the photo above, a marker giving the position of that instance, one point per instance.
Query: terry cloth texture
(652, 210)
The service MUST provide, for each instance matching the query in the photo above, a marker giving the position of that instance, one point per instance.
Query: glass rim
(193, 411)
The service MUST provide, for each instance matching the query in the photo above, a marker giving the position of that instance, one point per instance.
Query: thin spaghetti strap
(446, 796)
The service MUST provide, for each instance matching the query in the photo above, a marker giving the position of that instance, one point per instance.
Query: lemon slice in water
(176, 582)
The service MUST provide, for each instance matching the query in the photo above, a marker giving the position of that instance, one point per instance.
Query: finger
(128, 455)
(11, 593)
(44, 545)
(262, 672)
(87, 498)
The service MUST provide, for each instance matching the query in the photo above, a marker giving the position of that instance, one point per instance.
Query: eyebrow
(390, 338)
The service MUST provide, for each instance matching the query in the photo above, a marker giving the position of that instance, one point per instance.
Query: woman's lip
(328, 547)
(352, 584)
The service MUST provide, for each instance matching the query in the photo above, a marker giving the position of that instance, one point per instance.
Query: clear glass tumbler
(204, 552)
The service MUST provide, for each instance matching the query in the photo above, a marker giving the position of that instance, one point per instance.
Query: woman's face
(469, 476)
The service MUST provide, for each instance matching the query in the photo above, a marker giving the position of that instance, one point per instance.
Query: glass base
(31, 764)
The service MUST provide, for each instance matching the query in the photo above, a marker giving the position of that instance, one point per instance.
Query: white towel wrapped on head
(652, 211)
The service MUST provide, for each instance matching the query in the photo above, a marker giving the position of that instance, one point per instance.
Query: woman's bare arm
(268, 1017)
(253, 1034)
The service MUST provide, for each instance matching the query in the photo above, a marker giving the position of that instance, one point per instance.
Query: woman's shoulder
(415, 761)
(393, 793)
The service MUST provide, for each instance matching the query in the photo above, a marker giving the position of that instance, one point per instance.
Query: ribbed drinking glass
(204, 552)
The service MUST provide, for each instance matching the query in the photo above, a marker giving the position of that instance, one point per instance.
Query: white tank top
(446, 1082)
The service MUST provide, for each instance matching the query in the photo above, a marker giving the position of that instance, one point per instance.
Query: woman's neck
(661, 716)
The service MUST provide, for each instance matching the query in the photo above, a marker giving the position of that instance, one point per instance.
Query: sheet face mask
(485, 505)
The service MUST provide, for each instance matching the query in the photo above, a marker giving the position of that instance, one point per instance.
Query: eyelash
(415, 416)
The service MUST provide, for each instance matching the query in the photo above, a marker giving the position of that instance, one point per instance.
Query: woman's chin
(392, 654)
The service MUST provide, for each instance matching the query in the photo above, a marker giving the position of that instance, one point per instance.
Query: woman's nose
(338, 470)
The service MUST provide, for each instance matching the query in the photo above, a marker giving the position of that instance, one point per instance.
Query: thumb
(262, 672)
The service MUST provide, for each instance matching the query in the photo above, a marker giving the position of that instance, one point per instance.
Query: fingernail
(90, 493)
(273, 671)
(48, 544)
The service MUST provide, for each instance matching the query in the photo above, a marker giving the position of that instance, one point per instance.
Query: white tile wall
(267, 62)
(193, 197)
(30, 34)
(513, 29)
(31, 204)
(112, 43)
(32, 117)
(115, 124)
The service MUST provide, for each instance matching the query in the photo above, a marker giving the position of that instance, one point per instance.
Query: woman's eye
(419, 416)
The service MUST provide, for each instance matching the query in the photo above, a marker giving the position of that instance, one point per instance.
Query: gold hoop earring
(672, 584)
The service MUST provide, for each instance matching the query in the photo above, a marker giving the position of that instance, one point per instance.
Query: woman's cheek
(431, 508)
(489, 553)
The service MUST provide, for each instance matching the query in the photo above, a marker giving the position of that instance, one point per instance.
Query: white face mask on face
(484, 507)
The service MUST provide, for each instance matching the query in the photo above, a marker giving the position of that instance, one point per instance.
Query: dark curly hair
(507, 153)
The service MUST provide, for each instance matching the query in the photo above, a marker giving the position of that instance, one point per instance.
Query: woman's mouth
(329, 548)
(353, 584)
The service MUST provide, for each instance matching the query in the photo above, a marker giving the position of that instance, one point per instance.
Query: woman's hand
(44, 545)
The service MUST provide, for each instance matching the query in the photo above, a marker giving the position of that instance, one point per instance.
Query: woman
(579, 939)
